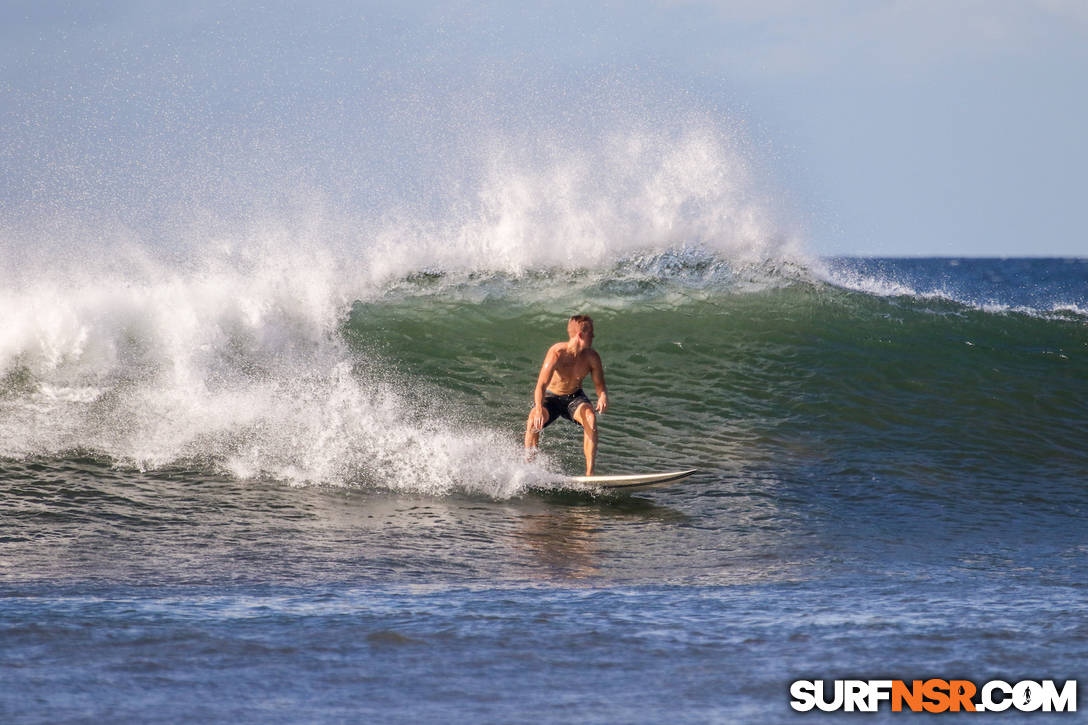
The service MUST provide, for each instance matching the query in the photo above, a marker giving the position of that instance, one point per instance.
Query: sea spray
(219, 338)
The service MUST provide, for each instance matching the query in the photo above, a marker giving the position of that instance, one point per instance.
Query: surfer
(558, 389)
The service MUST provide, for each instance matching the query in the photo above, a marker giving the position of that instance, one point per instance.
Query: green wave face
(799, 375)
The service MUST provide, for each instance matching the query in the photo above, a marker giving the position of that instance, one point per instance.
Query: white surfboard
(634, 481)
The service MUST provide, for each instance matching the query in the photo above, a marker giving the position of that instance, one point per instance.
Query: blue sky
(889, 128)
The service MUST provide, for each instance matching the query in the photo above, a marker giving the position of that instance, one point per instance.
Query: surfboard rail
(633, 481)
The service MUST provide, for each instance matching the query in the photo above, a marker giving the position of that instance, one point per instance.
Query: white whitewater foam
(239, 367)
(870, 285)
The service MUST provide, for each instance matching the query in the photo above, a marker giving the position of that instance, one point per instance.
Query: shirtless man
(558, 389)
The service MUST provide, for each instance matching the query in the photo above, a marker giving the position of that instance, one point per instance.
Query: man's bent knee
(588, 418)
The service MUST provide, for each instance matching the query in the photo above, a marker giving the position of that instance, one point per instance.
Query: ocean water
(275, 285)
(263, 482)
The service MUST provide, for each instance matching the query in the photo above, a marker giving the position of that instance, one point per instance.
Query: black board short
(563, 405)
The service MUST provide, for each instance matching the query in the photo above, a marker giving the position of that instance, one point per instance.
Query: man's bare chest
(571, 367)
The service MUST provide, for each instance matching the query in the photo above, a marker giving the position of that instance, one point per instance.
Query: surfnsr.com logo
(933, 695)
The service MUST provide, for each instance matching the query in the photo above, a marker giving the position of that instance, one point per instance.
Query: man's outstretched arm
(596, 369)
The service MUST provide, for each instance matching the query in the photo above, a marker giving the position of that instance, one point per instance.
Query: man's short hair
(578, 324)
